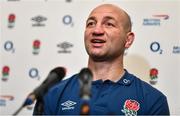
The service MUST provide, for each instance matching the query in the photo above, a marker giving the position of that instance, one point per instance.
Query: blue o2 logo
(155, 47)
(67, 20)
(9, 46)
(34, 73)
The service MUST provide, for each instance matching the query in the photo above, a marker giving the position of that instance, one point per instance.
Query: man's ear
(129, 39)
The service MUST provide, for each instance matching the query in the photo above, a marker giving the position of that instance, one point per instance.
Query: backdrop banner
(38, 35)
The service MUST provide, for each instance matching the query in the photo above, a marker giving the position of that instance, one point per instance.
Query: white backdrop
(58, 27)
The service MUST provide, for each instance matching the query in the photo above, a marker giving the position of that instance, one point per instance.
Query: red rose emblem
(5, 69)
(36, 44)
(11, 18)
(153, 72)
(132, 105)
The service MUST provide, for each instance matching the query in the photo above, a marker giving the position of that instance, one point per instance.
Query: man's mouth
(97, 41)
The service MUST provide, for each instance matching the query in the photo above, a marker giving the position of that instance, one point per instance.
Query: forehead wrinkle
(122, 16)
(105, 17)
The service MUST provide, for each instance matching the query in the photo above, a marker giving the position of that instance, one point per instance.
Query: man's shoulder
(146, 88)
(150, 90)
(153, 100)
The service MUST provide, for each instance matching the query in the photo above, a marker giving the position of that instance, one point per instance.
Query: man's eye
(90, 24)
(110, 24)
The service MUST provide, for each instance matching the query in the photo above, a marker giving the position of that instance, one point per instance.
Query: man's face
(105, 36)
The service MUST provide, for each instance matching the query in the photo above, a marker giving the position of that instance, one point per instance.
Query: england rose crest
(36, 47)
(130, 107)
(153, 76)
(5, 73)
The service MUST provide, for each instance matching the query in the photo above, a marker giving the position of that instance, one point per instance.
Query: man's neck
(105, 70)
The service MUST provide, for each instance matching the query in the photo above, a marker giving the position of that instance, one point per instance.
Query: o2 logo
(34, 73)
(155, 47)
(9, 46)
(67, 20)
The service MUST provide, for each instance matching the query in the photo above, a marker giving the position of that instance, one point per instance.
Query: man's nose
(98, 30)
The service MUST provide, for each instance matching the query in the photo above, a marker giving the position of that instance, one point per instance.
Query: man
(114, 90)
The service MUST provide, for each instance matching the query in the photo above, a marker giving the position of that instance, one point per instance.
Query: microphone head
(60, 71)
(85, 75)
(85, 80)
(55, 75)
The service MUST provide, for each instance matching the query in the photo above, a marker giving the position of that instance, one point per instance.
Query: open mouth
(97, 41)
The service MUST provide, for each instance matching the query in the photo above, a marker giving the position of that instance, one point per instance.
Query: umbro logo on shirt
(68, 105)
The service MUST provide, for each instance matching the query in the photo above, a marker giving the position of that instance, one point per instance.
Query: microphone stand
(85, 79)
(28, 101)
(18, 110)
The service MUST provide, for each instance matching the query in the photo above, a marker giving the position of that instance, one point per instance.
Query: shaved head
(126, 21)
(108, 33)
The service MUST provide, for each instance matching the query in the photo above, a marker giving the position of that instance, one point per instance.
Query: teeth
(97, 41)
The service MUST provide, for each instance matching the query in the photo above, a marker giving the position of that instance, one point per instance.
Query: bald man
(114, 91)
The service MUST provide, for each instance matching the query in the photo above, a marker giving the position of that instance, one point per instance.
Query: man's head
(108, 33)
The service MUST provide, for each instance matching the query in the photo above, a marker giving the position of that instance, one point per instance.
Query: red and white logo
(131, 107)
(36, 46)
(5, 73)
(11, 20)
(153, 76)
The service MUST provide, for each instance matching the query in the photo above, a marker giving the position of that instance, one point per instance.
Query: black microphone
(55, 76)
(85, 80)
